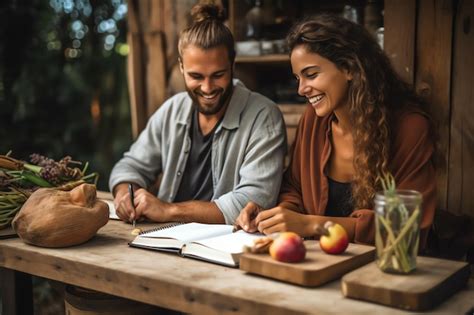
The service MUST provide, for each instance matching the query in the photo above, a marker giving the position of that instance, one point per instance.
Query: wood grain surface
(107, 264)
(317, 268)
(434, 44)
(430, 284)
(461, 152)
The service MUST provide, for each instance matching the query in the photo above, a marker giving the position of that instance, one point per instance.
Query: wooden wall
(400, 36)
(461, 146)
(154, 27)
(431, 44)
(432, 78)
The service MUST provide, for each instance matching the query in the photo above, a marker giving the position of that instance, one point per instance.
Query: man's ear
(181, 65)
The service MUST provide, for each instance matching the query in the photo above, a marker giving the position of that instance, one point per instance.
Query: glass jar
(349, 12)
(254, 20)
(380, 36)
(373, 18)
(397, 230)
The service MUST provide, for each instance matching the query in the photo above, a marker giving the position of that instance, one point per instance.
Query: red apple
(288, 247)
(334, 239)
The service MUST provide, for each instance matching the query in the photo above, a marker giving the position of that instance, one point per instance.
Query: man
(218, 145)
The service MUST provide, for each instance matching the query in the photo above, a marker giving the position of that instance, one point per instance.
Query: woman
(362, 121)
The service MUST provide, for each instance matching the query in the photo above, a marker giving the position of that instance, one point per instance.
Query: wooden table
(107, 264)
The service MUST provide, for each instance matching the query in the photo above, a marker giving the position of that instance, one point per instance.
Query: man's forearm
(196, 211)
(123, 186)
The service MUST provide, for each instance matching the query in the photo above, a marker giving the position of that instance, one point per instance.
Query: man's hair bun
(202, 12)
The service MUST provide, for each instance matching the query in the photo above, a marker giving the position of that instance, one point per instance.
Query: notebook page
(230, 243)
(190, 231)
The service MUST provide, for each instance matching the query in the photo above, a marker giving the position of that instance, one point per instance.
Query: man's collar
(186, 111)
(237, 104)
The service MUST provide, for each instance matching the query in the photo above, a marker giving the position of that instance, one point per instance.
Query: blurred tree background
(63, 83)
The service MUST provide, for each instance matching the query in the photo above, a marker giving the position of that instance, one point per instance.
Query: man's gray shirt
(248, 151)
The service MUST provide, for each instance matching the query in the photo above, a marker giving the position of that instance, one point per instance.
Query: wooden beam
(135, 67)
(461, 149)
(433, 75)
(156, 78)
(136, 84)
(147, 71)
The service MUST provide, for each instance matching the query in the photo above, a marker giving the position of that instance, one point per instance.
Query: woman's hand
(280, 219)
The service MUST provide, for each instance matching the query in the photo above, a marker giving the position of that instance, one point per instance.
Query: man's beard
(224, 97)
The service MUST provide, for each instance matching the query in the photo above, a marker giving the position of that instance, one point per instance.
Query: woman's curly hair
(375, 92)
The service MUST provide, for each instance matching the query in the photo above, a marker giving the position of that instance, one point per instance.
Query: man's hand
(246, 218)
(123, 204)
(149, 206)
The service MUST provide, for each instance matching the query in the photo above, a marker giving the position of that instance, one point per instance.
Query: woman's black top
(340, 203)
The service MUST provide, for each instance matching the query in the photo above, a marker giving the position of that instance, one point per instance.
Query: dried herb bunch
(19, 179)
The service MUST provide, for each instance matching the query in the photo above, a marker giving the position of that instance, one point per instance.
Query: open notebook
(211, 242)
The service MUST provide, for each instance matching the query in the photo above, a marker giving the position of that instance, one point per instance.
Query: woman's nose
(303, 88)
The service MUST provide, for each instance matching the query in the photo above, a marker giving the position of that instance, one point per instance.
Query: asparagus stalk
(396, 252)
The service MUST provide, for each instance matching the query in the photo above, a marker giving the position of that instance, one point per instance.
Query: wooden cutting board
(317, 268)
(431, 283)
(7, 233)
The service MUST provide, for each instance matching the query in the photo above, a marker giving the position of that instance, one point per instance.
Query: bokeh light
(102, 18)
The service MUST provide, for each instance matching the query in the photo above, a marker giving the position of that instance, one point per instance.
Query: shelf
(274, 58)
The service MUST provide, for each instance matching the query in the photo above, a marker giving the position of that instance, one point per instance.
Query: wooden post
(136, 69)
(147, 60)
(399, 36)
(156, 78)
(17, 292)
(461, 148)
(433, 75)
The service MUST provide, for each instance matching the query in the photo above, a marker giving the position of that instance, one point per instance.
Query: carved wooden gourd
(55, 218)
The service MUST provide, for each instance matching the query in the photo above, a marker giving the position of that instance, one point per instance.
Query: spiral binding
(162, 227)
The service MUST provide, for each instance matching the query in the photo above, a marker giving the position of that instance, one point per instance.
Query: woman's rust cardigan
(305, 183)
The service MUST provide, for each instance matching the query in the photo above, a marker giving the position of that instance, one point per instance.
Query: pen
(236, 228)
(132, 198)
